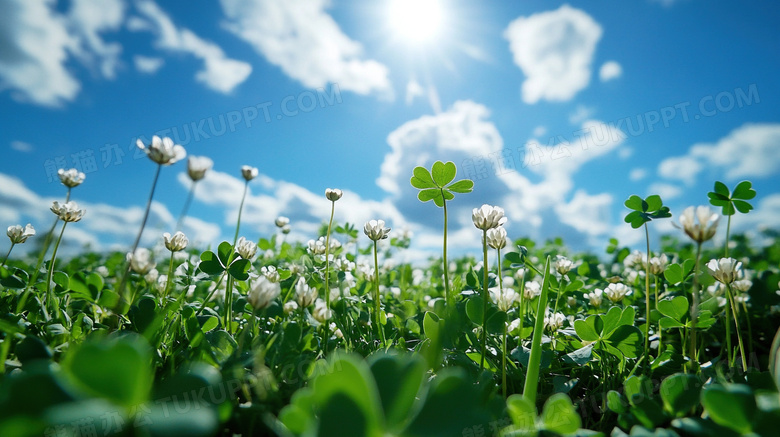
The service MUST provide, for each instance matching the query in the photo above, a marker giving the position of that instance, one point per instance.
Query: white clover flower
(281, 221)
(563, 265)
(616, 292)
(520, 274)
(488, 217)
(513, 325)
(270, 273)
(376, 230)
(508, 281)
(102, 271)
(68, 212)
(263, 292)
(151, 276)
(71, 178)
(290, 306)
(571, 301)
(336, 331)
(163, 151)
(197, 166)
(349, 280)
(554, 321)
(321, 313)
(724, 270)
(699, 223)
(658, 264)
(504, 300)
(634, 260)
(595, 297)
(160, 284)
(177, 242)
(249, 172)
(532, 290)
(333, 194)
(742, 285)
(18, 235)
(140, 261)
(496, 237)
(304, 295)
(296, 269)
(342, 264)
(246, 249)
(286, 229)
(317, 247)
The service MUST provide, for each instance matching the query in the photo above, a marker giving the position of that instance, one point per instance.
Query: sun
(415, 21)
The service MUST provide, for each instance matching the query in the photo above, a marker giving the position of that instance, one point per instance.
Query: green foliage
(437, 184)
(643, 211)
(558, 416)
(613, 332)
(731, 202)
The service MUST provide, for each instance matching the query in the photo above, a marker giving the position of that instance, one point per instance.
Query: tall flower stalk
(700, 224)
(496, 238)
(375, 230)
(163, 152)
(485, 218)
(175, 243)
(197, 166)
(332, 194)
(69, 213)
(726, 271)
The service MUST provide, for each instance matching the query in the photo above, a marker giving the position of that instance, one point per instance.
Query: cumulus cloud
(219, 73)
(610, 70)
(554, 50)
(21, 146)
(589, 214)
(666, 191)
(302, 39)
(637, 174)
(146, 64)
(34, 44)
(747, 151)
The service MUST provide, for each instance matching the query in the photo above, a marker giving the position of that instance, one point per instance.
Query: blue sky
(586, 103)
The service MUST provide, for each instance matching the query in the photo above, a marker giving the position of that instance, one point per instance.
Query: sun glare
(415, 21)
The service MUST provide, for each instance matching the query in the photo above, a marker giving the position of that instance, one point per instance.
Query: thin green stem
(377, 309)
(647, 295)
(750, 328)
(729, 353)
(229, 287)
(327, 268)
(186, 206)
(51, 267)
(447, 295)
(47, 243)
(168, 281)
(485, 299)
(522, 307)
(121, 288)
(692, 351)
(240, 211)
(5, 260)
(736, 323)
(728, 231)
(503, 348)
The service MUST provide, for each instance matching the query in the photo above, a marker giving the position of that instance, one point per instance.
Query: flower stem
(240, 211)
(647, 296)
(485, 300)
(8, 254)
(728, 230)
(377, 309)
(736, 323)
(729, 352)
(447, 295)
(692, 352)
(121, 288)
(327, 270)
(168, 281)
(501, 299)
(47, 243)
(51, 267)
(186, 207)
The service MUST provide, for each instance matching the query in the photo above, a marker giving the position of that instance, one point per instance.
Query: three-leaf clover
(645, 210)
(732, 201)
(437, 184)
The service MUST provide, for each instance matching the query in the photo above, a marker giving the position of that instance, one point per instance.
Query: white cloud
(104, 227)
(301, 38)
(637, 174)
(748, 151)
(681, 168)
(610, 70)
(539, 131)
(21, 146)
(219, 72)
(413, 90)
(666, 191)
(88, 20)
(589, 214)
(555, 51)
(625, 152)
(751, 150)
(146, 64)
(34, 44)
